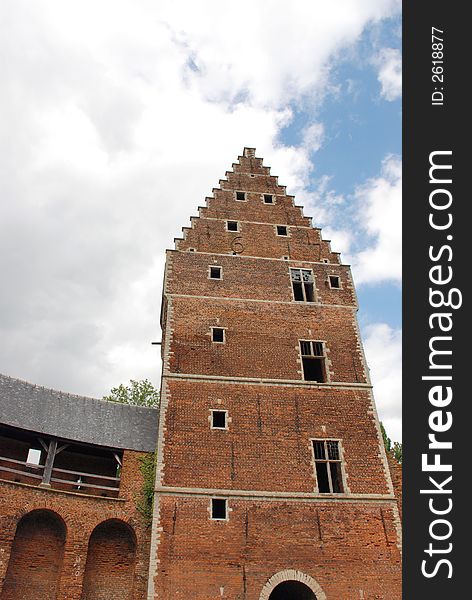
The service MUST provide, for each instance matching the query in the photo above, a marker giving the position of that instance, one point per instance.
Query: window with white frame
(215, 272)
(303, 285)
(219, 509)
(282, 230)
(219, 419)
(218, 335)
(334, 282)
(232, 225)
(328, 466)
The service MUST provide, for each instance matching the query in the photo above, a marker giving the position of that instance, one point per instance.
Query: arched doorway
(292, 590)
(111, 558)
(292, 585)
(36, 557)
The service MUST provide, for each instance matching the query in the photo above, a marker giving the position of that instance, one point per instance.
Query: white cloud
(313, 137)
(383, 348)
(380, 219)
(389, 63)
(118, 118)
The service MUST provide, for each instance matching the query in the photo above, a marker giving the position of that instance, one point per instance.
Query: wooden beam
(46, 482)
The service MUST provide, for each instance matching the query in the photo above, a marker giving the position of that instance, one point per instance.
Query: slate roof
(76, 418)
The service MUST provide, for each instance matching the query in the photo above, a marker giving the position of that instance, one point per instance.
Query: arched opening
(292, 590)
(111, 557)
(36, 557)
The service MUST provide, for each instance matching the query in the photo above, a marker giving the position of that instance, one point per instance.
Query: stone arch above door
(291, 575)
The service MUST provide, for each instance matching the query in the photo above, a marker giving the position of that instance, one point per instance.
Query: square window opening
(218, 419)
(232, 226)
(282, 230)
(334, 282)
(218, 335)
(268, 199)
(215, 273)
(219, 508)
(240, 195)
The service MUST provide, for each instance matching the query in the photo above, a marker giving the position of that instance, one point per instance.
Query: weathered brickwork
(397, 480)
(279, 526)
(45, 535)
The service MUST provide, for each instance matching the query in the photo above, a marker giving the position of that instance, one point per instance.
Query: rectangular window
(334, 282)
(240, 195)
(217, 335)
(268, 199)
(313, 360)
(216, 272)
(282, 230)
(232, 225)
(218, 419)
(219, 508)
(329, 474)
(302, 285)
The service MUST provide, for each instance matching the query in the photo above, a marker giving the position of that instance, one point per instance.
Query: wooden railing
(76, 481)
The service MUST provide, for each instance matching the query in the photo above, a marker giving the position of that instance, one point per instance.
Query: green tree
(396, 450)
(138, 393)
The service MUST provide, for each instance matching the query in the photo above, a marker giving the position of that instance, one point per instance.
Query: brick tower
(272, 481)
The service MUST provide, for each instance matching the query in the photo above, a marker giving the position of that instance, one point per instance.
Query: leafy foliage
(138, 393)
(145, 499)
(396, 450)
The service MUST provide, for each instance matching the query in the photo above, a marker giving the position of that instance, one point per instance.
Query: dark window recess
(282, 230)
(218, 419)
(232, 225)
(313, 361)
(268, 199)
(218, 334)
(302, 285)
(328, 466)
(334, 282)
(218, 508)
(215, 272)
(240, 195)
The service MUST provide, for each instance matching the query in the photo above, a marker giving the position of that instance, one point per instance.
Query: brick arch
(291, 575)
(36, 556)
(111, 560)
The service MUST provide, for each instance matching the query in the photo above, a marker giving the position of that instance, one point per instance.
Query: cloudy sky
(118, 117)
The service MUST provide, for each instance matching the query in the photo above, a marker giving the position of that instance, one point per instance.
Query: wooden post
(46, 482)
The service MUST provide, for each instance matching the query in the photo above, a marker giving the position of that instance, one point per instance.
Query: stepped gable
(264, 206)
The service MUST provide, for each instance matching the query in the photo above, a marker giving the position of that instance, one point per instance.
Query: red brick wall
(263, 464)
(347, 549)
(262, 339)
(397, 480)
(280, 418)
(109, 571)
(81, 514)
(36, 558)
